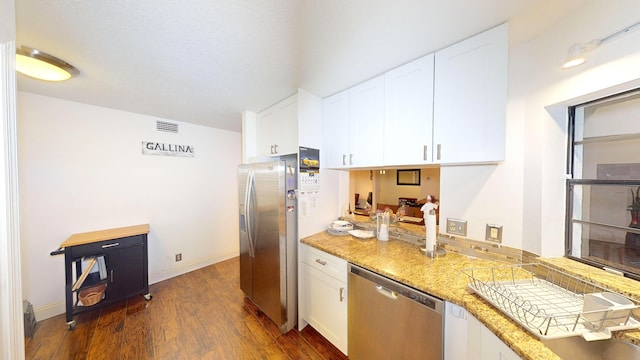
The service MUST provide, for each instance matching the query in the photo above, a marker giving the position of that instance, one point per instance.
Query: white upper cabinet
(335, 120)
(366, 123)
(408, 107)
(444, 108)
(470, 99)
(277, 128)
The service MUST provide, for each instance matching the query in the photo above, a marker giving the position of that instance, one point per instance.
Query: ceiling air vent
(167, 127)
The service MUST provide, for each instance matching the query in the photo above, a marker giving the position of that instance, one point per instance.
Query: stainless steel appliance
(268, 237)
(388, 320)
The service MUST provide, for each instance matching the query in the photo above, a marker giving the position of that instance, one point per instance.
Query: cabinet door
(456, 332)
(126, 271)
(366, 123)
(278, 128)
(479, 342)
(267, 130)
(492, 347)
(470, 98)
(335, 130)
(408, 111)
(325, 300)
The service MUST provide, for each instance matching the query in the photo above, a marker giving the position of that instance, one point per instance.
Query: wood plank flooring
(199, 315)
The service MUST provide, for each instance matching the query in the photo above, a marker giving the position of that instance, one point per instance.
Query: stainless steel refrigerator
(268, 237)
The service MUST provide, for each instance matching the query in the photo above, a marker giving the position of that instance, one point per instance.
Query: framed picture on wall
(408, 177)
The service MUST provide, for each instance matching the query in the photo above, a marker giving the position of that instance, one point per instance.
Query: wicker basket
(92, 295)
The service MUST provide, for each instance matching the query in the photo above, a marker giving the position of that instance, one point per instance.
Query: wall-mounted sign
(309, 169)
(155, 148)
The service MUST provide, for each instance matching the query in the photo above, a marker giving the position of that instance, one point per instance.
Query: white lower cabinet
(456, 334)
(467, 338)
(323, 294)
(491, 347)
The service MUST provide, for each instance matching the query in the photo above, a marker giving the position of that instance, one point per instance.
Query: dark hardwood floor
(199, 315)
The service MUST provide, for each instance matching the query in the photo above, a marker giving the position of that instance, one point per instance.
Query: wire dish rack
(552, 304)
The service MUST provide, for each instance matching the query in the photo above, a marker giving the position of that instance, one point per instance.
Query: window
(603, 192)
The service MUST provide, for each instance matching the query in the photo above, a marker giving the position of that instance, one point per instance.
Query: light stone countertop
(442, 277)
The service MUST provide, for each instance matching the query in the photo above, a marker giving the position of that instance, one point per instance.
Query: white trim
(12, 325)
(49, 310)
(54, 309)
(188, 267)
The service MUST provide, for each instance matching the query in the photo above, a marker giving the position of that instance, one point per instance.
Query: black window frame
(571, 182)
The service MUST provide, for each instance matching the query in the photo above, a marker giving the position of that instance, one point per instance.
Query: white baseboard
(57, 308)
(188, 267)
(50, 310)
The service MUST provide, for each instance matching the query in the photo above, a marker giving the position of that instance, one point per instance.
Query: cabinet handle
(275, 148)
(110, 245)
(271, 151)
(344, 159)
(425, 156)
(350, 159)
(111, 275)
(321, 262)
(341, 294)
(439, 148)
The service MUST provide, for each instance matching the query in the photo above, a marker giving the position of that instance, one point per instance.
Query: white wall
(525, 193)
(82, 169)
(7, 20)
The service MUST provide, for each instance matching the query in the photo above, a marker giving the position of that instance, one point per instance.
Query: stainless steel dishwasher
(388, 320)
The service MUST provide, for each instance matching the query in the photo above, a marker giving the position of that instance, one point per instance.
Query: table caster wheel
(147, 296)
(71, 325)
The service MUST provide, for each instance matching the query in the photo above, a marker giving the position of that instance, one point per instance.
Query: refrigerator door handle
(249, 211)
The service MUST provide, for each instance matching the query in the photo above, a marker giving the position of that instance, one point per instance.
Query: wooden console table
(121, 258)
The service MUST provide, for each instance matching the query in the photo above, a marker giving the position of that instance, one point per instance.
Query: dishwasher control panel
(421, 299)
(398, 288)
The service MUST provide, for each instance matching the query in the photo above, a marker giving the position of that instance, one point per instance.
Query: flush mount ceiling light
(39, 65)
(577, 51)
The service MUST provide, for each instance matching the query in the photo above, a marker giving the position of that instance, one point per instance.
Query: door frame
(11, 319)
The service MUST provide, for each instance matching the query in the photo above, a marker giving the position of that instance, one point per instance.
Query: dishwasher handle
(386, 292)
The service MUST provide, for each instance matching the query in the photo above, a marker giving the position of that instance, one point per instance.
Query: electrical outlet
(456, 227)
(493, 233)
(179, 257)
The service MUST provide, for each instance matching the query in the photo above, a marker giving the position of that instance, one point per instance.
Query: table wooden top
(108, 234)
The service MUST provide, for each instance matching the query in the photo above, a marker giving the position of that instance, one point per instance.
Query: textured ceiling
(205, 61)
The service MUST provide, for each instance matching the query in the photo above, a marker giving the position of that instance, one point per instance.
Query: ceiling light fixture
(576, 51)
(39, 65)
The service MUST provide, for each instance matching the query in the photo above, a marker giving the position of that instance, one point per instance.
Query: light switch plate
(494, 233)
(456, 227)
